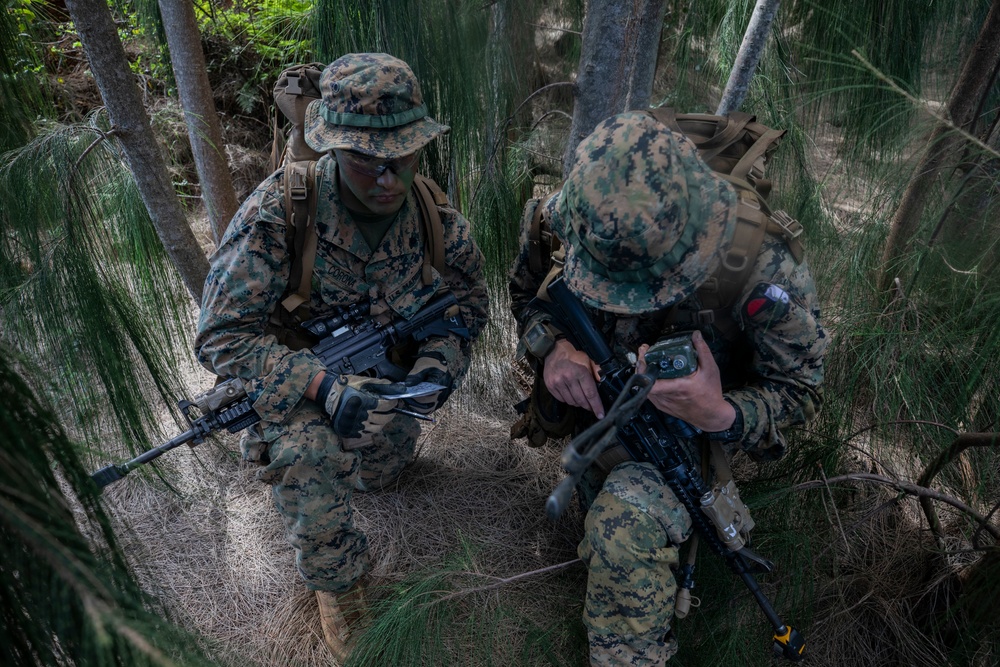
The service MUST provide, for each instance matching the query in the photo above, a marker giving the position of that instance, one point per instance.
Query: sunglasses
(374, 167)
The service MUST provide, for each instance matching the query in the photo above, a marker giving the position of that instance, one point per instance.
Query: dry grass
(215, 552)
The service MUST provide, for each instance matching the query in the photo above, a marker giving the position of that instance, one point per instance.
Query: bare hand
(695, 398)
(572, 377)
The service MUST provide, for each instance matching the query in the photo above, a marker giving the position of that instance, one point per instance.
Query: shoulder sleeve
(246, 278)
(463, 274)
(779, 314)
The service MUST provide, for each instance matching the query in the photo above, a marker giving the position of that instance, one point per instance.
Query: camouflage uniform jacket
(772, 369)
(250, 270)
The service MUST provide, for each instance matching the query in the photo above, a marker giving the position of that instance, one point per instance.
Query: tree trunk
(617, 64)
(203, 127)
(751, 50)
(973, 83)
(131, 125)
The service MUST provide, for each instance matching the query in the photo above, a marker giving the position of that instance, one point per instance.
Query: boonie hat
(371, 103)
(643, 218)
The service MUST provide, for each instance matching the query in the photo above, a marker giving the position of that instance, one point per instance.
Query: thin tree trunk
(128, 117)
(973, 83)
(202, 120)
(617, 64)
(751, 50)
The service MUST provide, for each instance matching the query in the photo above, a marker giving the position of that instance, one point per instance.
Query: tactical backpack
(296, 87)
(737, 148)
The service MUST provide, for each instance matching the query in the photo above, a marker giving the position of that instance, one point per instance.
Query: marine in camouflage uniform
(370, 124)
(644, 222)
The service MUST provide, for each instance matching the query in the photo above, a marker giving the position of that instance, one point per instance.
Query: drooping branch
(908, 488)
(503, 581)
(959, 445)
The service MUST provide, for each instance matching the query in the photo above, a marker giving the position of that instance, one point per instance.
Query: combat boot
(338, 614)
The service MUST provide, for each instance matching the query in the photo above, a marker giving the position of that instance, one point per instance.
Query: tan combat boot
(338, 613)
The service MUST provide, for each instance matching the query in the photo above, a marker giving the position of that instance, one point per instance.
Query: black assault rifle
(349, 342)
(650, 436)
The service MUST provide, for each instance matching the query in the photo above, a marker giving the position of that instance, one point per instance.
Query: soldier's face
(372, 185)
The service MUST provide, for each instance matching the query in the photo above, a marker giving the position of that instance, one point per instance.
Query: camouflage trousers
(630, 547)
(312, 480)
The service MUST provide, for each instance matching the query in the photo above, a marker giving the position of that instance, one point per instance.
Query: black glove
(357, 406)
(429, 367)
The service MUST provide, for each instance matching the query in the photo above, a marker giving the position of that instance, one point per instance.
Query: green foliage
(85, 286)
(271, 28)
(260, 39)
(21, 98)
(68, 596)
(430, 618)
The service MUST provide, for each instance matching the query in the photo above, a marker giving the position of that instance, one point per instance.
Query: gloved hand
(357, 406)
(429, 367)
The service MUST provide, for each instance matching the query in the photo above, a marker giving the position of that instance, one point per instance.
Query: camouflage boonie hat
(371, 104)
(643, 218)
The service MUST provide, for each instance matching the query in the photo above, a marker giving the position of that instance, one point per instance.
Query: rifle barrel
(114, 472)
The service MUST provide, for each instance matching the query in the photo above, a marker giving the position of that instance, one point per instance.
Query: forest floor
(472, 506)
(213, 549)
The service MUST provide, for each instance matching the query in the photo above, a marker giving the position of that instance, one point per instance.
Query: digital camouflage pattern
(371, 104)
(630, 547)
(770, 355)
(312, 480)
(248, 275)
(643, 218)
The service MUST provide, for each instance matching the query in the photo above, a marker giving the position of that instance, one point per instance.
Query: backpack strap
(736, 122)
(703, 130)
(718, 294)
(299, 187)
(782, 224)
(429, 198)
(542, 243)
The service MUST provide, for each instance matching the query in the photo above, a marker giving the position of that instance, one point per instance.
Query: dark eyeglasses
(374, 166)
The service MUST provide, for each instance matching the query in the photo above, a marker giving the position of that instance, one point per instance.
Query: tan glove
(357, 406)
(429, 367)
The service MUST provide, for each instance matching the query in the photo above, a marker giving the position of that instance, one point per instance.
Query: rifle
(349, 343)
(649, 435)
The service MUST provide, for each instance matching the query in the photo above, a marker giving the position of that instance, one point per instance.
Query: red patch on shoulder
(754, 306)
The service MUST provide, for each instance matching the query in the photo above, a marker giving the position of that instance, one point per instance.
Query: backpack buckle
(297, 187)
(790, 227)
(294, 87)
(705, 317)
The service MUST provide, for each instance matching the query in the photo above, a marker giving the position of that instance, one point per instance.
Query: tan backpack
(296, 87)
